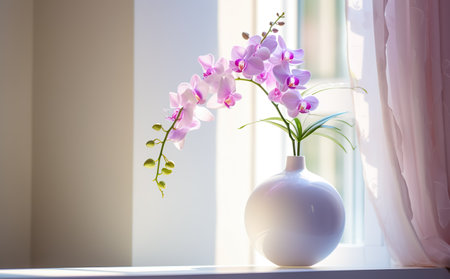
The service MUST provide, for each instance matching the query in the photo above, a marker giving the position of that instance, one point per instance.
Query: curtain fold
(409, 187)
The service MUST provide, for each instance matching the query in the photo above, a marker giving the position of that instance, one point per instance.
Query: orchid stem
(162, 149)
(271, 26)
(278, 110)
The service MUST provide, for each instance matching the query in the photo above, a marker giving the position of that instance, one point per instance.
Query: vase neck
(295, 163)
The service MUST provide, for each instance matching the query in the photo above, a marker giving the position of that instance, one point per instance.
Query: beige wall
(82, 132)
(66, 132)
(16, 35)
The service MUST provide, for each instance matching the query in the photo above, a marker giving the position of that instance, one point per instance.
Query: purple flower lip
(208, 72)
(292, 82)
(241, 64)
(175, 114)
(229, 102)
(304, 107)
(198, 95)
(287, 56)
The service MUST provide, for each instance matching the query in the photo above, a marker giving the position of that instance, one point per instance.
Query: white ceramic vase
(295, 218)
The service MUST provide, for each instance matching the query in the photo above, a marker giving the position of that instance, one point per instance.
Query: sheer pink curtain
(404, 122)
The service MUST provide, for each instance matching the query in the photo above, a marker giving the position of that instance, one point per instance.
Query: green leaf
(339, 132)
(270, 120)
(316, 125)
(298, 124)
(306, 92)
(330, 127)
(332, 139)
(346, 138)
(344, 122)
(262, 120)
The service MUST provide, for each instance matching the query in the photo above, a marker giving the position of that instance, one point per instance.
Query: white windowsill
(235, 272)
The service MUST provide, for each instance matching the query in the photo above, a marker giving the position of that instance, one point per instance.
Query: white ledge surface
(218, 272)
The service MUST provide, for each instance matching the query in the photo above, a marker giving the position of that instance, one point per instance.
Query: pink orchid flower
(213, 72)
(264, 75)
(295, 104)
(244, 60)
(282, 53)
(264, 49)
(226, 94)
(198, 86)
(190, 116)
(287, 79)
(275, 95)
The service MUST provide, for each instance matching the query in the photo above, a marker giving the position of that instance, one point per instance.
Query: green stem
(271, 26)
(278, 110)
(162, 149)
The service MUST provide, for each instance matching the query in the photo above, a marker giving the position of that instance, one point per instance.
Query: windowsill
(235, 272)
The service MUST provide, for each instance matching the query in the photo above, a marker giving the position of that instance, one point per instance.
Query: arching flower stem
(271, 26)
(278, 110)
(162, 149)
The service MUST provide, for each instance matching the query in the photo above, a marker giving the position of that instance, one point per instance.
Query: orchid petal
(195, 79)
(203, 88)
(270, 43)
(179, 144)
(263, 53)
(291, 99)
(221, 66)
(281, 43)
(213, 103)
(207, 61)
(254, 40)
(255, 66)
(203, 114)
(275, 95)
(174, 100)
(224, 90)
(178, 134)
(313, 101)
(250, 51)
(183, 87)
(302, 75)
(237, 96)
(298, 56)
(293, 113)
(188, 96)
(281, 72)
(188, 115)
(275, 59)
(237, 52)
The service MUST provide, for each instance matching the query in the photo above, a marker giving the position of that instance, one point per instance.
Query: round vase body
(295, 218)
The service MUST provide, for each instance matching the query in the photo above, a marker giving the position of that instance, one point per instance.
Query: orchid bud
(278, 14)
(245, 35)
(157, 127)
(271, 23)
(166, 171)
(170, 164)
(263, 34)
(281, 23)
(162, 184)
(150, 143)
(150, 163)
(274, 30)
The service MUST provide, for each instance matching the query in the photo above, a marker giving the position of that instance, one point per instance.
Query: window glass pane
(321, 24)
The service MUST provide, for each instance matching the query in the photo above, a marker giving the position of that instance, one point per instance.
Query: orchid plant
(269, 64)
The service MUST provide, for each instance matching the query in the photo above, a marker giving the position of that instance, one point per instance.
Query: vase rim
(295, 163)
